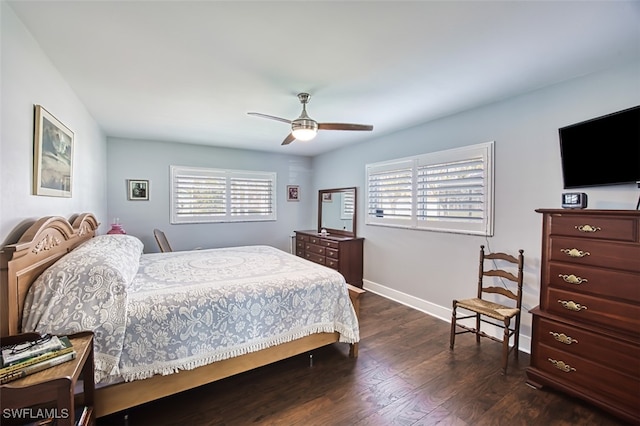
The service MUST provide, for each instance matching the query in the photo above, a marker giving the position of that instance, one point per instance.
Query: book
(21, 351)
(35, 368)
(82, 415)
(67, 347)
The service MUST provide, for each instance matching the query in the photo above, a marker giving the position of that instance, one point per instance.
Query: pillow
(87, 290)
(118, 254)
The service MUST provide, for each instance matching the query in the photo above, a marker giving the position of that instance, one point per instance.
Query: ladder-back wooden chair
(503, 307)
(162, 241)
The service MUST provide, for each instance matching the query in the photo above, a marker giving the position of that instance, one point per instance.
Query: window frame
(229, 176)
(405, 212)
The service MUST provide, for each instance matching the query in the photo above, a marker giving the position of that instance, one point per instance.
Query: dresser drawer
(595, 253)
(585, 279)
(301, 237)
(331, 252)
(576, 371)
(329, 243)
(595, 310)
(314, 257)
(331, 263)
(610, 352)
(312, 248)
(620, 229)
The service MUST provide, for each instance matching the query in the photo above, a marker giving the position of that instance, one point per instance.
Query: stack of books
(30, 357)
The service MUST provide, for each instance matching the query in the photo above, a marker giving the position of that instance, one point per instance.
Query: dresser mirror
(337, 211)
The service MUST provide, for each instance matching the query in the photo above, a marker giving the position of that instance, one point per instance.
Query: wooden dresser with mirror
(334, 244)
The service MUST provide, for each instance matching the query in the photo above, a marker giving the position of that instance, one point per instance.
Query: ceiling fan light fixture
(304, 134)
(304, 129)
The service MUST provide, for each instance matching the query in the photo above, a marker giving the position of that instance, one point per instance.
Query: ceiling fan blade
(344, 126)
(288, 139)
(271, 117)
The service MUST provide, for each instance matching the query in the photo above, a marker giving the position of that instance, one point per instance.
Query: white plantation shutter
(448, 191)
(451, 191)
(390, 193)
(217, 195)
(251, 195)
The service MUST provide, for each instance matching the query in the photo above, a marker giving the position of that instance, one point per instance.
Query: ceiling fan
(304, 128)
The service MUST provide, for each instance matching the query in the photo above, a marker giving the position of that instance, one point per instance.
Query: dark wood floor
(405, 375)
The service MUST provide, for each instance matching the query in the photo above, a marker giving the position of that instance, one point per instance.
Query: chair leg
(517, 337)
(452, 338)
(505, 347)
(477, 328)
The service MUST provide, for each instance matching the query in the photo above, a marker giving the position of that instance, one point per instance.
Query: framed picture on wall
(137, 190)
(52, 156)
(293, 193)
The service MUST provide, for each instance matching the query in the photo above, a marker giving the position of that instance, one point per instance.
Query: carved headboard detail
(39, 247)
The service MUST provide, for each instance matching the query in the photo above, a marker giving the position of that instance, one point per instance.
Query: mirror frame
(341, 232)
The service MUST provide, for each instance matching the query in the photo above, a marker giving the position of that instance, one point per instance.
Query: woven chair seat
(490, 309)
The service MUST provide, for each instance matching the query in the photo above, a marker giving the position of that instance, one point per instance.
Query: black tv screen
(602, 151)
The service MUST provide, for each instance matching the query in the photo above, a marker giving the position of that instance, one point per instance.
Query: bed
(239, 307)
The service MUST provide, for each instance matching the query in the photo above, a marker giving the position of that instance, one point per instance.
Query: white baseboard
(437, 311)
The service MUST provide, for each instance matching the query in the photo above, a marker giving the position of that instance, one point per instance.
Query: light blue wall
(28, 78)
(136, 159)
(428, 269)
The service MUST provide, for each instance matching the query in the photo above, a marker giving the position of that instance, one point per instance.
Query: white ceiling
(190, 71)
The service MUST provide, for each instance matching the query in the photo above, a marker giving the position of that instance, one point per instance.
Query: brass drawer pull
(572, 279)
(563, 338)
(575, 252)
(588, 228)
(571, 305)
(560, 365)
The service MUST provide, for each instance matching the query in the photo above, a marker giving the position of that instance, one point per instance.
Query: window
(450, 191)
(348, 205)
(217, 195)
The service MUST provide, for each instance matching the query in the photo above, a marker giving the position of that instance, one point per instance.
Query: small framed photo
(138, 190)
(52, 156)
(326, 197)
(293, 193)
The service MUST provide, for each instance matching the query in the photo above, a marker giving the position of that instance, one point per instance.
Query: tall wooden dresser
(586, 330)
(338, 252)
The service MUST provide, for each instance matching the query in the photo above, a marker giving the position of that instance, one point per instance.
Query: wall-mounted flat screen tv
(602, 151)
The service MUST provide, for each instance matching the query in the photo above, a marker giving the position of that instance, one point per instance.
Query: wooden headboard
(40, 246)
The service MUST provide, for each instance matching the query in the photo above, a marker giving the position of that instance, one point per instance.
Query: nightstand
(50, 393)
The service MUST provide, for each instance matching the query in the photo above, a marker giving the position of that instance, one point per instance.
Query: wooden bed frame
(50, 238)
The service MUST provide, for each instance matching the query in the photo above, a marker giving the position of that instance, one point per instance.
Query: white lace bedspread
(187, 309)
(159, 313)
